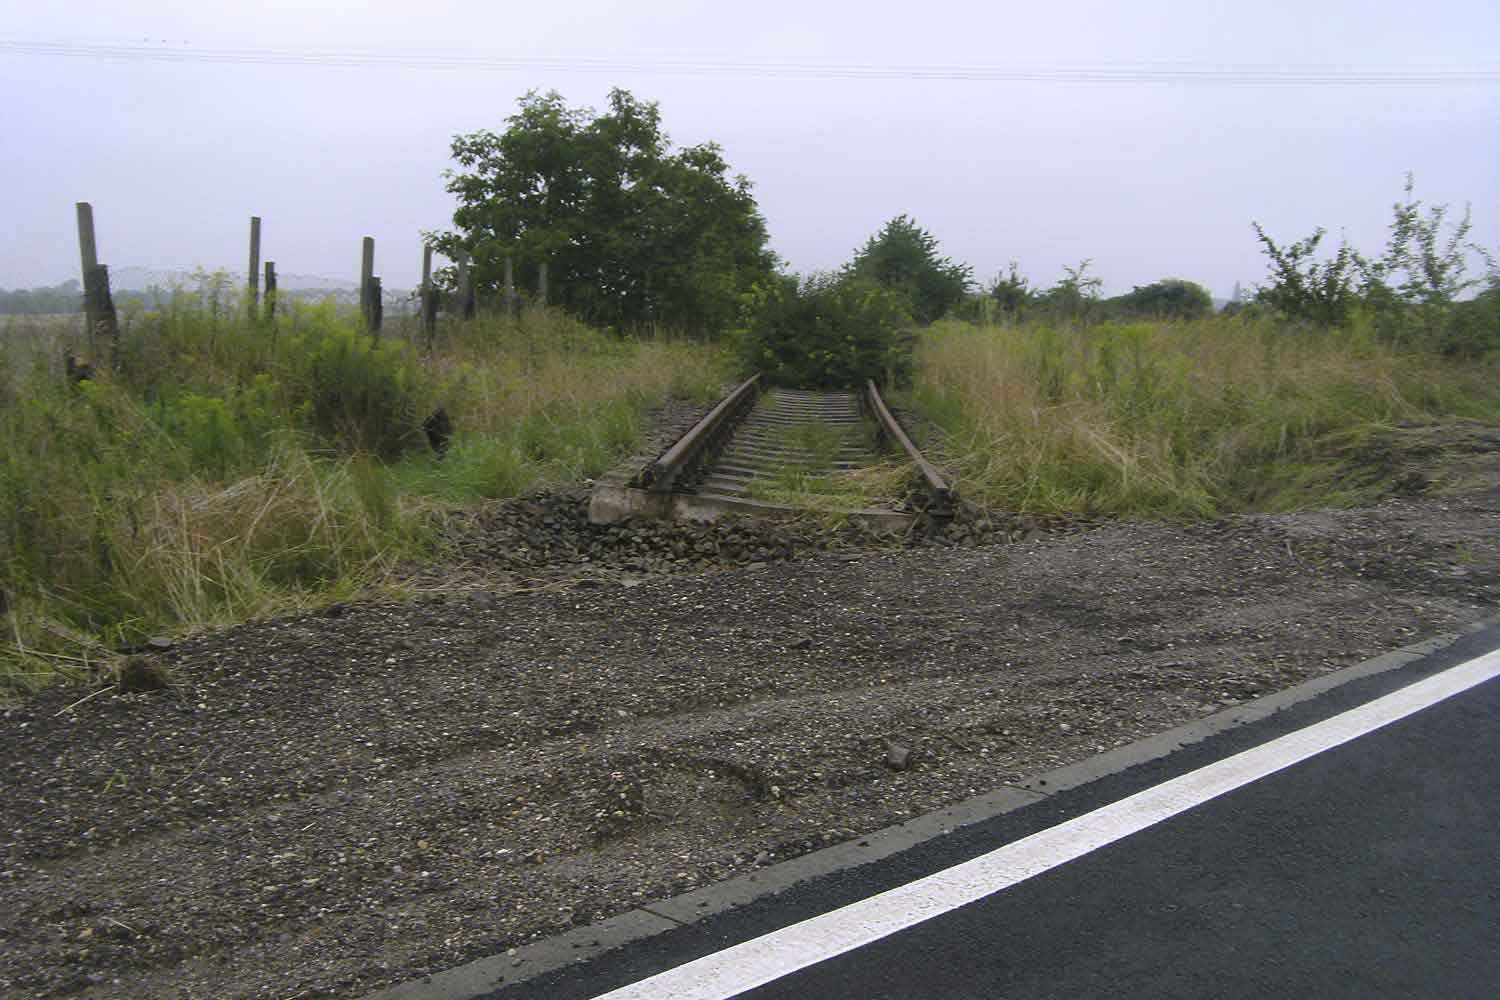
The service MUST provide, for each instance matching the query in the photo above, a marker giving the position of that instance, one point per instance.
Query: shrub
(362, 394)
(1170, 298)
(904, 257)
(826, 331)
(1409, 294)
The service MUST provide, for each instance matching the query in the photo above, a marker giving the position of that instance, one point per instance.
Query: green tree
(1305, 287)
(633, 232)
(1012, 292)
(1170, 297)
(1076, 296)
(1410, 291)
(1413, 288)
(903, 256)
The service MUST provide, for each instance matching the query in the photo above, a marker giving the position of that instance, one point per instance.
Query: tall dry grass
(1177, 419)
(217, 469)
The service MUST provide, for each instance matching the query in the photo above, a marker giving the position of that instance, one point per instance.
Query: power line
(1080, 73)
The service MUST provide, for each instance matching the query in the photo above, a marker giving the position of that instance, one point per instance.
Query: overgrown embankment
(213, 469)
(1182, 418)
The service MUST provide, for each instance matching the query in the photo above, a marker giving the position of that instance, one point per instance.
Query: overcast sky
(1159, 174)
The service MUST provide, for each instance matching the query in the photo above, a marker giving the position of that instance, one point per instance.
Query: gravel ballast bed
(326, 804)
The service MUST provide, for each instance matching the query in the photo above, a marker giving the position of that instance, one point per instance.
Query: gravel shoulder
(322, 805)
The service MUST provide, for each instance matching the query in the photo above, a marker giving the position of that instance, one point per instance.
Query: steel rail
(663, 473)
(942, 496)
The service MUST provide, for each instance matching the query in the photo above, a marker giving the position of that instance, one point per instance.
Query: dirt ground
(323, 805)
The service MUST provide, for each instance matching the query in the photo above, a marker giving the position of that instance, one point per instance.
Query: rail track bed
(783, 451)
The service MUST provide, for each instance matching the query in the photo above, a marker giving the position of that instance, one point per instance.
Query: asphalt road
(1370, 870)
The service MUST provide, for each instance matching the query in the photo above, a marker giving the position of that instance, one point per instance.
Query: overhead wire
(451, 59)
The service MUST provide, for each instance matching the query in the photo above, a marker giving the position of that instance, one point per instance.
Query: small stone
(897, 756)
(802, 643)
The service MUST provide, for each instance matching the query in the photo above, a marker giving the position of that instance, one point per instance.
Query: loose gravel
(574, 721)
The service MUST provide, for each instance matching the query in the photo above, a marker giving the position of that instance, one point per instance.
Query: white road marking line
(770, 957)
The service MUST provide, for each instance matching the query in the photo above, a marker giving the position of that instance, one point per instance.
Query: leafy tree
(1012, 292)
(1430, 269)
(1170, 297)
(633, 232)
(826, 330)
(1412, 291)
(1075, 296)
(1304, 287)
(903, 256)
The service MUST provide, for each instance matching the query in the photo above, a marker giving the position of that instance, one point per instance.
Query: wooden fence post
(254, 273)
(367, 301)
(429, 298)
(98, 307)
(466, 303)
(88, 254)
(270, 300)
(541, 283)
(374, 307)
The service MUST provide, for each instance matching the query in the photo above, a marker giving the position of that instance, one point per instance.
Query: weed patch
(1179, 419)
(216, 469)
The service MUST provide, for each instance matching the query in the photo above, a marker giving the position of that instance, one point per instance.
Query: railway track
(778, 451)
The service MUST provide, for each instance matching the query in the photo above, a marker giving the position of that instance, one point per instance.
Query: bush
(1410, 294)
(826, 331)
(1170, 298)
(904, 257)
(1473, 329)
(361, 394)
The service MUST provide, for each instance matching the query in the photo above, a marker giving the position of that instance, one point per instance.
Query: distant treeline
(67, 297)
(64, 298)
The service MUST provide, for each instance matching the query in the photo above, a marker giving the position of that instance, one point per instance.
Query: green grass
(217, 469)
(1189, 419)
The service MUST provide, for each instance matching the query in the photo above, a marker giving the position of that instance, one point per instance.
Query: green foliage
(1472, 328)
(1411, 293)
(1189, 418)
(1076, 296)
(220, 435)
(1011, 293)
(362, 394)
(1170, 298)
(904, 257)
(1011, 299)
(826, 331)
(228, 468)
(1304, 287)
(635, 234)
